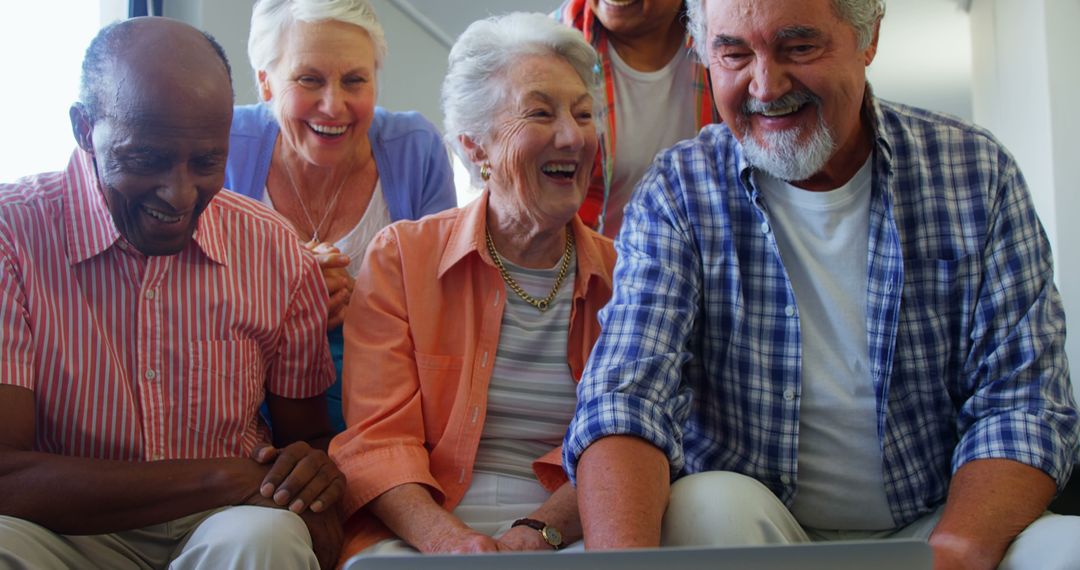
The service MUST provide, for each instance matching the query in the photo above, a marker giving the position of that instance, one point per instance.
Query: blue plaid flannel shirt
(700, 350)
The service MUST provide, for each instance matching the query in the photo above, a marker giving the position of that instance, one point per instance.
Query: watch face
(551, 535)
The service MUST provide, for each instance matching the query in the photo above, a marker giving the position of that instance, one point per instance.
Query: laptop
(841, 555)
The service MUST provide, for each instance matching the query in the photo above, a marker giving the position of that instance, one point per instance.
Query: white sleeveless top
(354, 243)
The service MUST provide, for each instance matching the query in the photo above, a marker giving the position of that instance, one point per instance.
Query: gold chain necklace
(564, 266)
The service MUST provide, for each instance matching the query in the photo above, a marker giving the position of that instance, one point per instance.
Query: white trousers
(721, 508)
(241, 537)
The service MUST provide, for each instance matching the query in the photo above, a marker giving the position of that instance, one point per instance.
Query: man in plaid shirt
(834, 317)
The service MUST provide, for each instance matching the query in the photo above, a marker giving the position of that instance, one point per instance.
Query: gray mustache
(754, 106)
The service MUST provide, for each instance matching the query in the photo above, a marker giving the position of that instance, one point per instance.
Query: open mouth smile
(328, 130)
(560, 170)
(777, 111)
(160, 216)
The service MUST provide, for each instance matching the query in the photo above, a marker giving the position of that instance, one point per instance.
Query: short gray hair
(862, 15)
(271, 20)
(474, 89)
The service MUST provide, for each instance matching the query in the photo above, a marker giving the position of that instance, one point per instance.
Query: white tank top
(354, 243)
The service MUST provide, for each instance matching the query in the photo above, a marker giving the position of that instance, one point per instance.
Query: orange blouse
(420, 339)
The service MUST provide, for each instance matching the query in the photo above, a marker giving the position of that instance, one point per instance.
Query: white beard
(784, 157)
(781, 154)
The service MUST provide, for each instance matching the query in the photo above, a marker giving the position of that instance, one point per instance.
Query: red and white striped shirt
(133, 357)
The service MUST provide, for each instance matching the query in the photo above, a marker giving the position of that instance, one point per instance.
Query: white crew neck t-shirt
(822, 238)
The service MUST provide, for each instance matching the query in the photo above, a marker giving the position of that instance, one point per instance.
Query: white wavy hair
(272, 19)
(475, 87)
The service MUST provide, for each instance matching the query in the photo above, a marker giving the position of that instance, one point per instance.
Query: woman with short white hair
(319, 151)
(468, 330)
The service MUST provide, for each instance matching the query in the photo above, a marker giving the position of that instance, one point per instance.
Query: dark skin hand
(324, 526)
(302, 476)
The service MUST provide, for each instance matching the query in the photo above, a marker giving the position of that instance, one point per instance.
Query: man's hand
(301, 477)
(339, 285)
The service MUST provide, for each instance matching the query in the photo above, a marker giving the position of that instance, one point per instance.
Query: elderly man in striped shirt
(833, 317)
(143, 318)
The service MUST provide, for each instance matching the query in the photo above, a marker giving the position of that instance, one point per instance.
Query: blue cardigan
(413, 165)
(413, 168)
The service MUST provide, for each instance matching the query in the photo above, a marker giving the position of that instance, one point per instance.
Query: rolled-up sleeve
(633, 382)
(1021, 406)
(383, 447)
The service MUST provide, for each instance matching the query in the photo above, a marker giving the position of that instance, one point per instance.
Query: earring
(485, 171)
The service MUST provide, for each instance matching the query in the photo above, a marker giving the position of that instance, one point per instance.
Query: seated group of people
(825, 316)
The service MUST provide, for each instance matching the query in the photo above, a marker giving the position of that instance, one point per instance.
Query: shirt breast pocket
(938, 300)
(439, 377)
(225, 390)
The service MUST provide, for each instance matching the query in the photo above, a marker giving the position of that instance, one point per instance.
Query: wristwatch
(550, 534)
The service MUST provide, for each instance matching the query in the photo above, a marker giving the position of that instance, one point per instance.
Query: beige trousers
(721, 508)
(233, 537)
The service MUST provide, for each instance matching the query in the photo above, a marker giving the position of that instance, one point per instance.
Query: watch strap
(550, 534)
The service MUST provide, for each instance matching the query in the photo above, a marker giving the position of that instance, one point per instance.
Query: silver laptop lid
(854, 555)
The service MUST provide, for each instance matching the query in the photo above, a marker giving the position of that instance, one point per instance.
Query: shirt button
(156, 457)
(789, 310)
(764, 227)
(789, 394)
(149, 294)
(151, 374)
(785, 479)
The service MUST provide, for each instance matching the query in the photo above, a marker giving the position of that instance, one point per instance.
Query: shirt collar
(89, 224)
(876, 118)
(468, 237)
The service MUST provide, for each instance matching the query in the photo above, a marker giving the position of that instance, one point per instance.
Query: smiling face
(633, 18)
(789, 79)
(161, 140)
(543, 143)
(322, 91)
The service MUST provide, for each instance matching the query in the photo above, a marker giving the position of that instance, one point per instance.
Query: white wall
(1062, 17)
(412, 73)
(924, 57)
(228, 22)
(1026, 84)
(112, 10)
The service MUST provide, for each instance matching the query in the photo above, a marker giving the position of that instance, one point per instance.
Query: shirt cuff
(622, 414)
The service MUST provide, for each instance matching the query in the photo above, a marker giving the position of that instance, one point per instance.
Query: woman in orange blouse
(468, 330)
